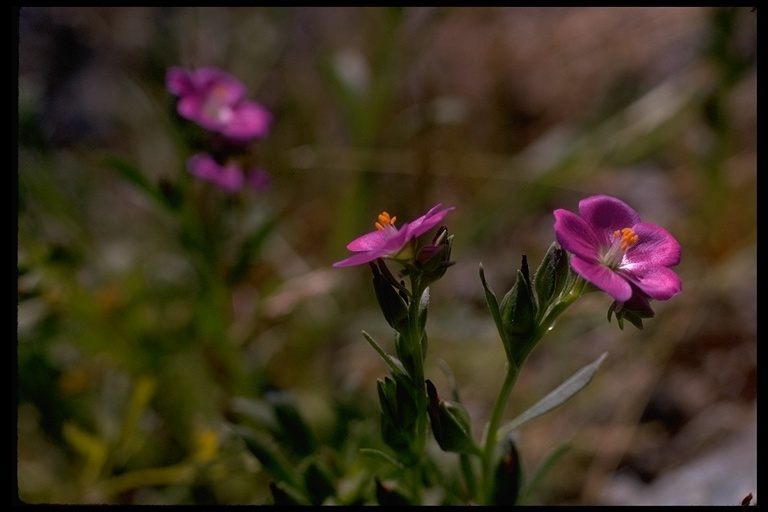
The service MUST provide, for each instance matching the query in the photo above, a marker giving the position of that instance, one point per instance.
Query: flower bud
(518, 315)
(551, 276)
(388, 495)
(451, 424)
(398, 416)
(391, 302)
(433, 260)
(507, 477)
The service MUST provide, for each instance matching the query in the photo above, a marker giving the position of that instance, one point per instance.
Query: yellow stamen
(385, 220)
(628, 238)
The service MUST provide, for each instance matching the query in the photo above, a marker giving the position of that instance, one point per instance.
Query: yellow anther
(628, 238)
(385, 220)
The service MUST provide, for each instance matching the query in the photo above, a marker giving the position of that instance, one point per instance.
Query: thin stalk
(493, 427)
(416, 336)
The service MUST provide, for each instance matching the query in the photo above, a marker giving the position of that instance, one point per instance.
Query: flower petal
(368, 241)
(210, 80)
(604, 278)
(606, 214)
(249, 121)
(575, 235)
(357, 259)
(427, 221)
(178, 81)
(654, 246)
(656, 281)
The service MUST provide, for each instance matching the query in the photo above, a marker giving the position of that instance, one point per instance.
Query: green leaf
(274, 462)
(294, 432)
(255, 412)
(393, 363)
(378, 454)
(132, 173)
(557, 397)
(493, 304)
(544, 468)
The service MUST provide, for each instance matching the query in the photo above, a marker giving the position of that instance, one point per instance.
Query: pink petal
(575, 235)
(178, 81)
(604, 278)
(607, 214)
(368, 241)
(654, 246)
(250, 121)
(657, 282)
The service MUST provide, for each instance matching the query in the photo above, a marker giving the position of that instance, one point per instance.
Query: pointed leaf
(493, 304)
(559, 395)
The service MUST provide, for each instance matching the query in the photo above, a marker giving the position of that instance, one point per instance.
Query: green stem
(493, 427)
(577, 288)
(412, 336)
(416, 337)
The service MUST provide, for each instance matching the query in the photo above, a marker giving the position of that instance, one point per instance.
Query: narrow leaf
(386, 357)
(493, 304)
(543, 469)
(559, 395)
(135, 176)
(264, 449)
(378, 454)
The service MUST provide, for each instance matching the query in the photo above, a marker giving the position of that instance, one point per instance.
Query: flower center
(621, 240)
(385, 221)
(216, 106)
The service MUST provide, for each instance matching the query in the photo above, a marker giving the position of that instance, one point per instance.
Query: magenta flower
(216, 101)
(388, 241)
(229, 177)
(622, 256)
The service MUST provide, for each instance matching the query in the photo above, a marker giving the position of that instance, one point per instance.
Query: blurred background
(137, 325)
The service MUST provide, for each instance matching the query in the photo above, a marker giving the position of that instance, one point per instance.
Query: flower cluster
(216, 101)
(606, 248)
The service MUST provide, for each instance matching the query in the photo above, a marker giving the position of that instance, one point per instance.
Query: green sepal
(451, 424)
(551, 276)
(518, 317)
(393, 306)
(398, 416)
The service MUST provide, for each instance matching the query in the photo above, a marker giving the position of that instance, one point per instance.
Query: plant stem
(416, 336)
(415, 339)
(493, 427)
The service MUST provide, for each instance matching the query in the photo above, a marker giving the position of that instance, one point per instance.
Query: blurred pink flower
(229, 177)
(216, 101)
(612, 249)
(388, 241)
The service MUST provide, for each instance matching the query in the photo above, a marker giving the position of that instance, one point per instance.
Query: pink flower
(612, 249)
(216, 101)
(229, 177)
(388, 241)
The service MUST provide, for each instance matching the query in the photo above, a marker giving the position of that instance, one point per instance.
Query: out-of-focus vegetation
(151, 318)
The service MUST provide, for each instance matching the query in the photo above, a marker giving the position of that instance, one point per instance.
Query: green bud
(451, 424)
(507, 478)
(398, 416)
(518, 315)
(433, 260)
(391, 302)
(551, 276)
